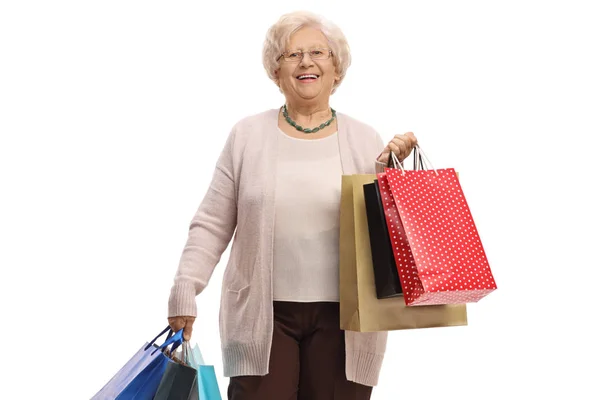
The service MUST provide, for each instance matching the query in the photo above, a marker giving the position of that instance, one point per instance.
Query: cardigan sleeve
(210, 232)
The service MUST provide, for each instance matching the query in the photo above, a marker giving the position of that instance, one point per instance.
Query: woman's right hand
(182, 322)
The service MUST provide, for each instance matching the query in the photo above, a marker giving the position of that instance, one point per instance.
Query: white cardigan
(241, 195)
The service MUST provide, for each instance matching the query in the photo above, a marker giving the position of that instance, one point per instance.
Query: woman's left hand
(401, 145)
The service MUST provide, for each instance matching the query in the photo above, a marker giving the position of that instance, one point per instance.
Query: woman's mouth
(307, 78)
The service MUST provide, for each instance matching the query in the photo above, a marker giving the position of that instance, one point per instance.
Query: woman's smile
(307, 78)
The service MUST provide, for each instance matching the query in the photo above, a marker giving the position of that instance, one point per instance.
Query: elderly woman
(278, 182)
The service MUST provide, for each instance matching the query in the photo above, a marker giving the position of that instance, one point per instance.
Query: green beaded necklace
(307, 130)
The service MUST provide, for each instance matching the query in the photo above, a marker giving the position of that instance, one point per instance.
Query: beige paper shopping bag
(360, 310)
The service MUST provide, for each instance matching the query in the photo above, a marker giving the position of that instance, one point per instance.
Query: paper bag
(360, 310)
(438, 251)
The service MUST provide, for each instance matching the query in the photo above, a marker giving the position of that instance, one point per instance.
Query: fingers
(176, 323)
(187, 330)
(412, 138)
(384, 156)
(397, 150)
(402, 145)
(409, 138)
(182, 322)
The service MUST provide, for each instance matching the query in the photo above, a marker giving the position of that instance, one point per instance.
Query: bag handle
(394, 162)
(189, 356)
(185, 352)
(397, 164)
(422, 156)
(172, 339)
(167, 329)
(418, 157)
(417, 161)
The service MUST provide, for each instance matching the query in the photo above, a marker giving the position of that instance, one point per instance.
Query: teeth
(307, 76)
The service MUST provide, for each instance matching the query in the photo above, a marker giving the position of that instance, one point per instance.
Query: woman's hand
(401, 145)
(182, 322)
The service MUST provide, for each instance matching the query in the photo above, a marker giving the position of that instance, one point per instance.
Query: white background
(112, 116)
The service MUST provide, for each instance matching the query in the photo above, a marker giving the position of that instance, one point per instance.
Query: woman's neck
(308, 115)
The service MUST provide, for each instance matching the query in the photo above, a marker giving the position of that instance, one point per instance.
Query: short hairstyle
(278, 36)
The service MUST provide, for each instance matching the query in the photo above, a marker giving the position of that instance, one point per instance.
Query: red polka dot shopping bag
(438, 251)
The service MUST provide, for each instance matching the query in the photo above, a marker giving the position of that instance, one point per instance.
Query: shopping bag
(438, 251)
(140, 360)
(196, 356)
(360, 309)
(208, 387)
(145, 384)
(179, 382)
(387, 281)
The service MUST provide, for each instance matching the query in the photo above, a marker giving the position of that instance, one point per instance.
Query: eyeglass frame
(329, 51)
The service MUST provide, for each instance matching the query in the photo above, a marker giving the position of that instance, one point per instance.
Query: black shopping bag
(179, 382)
(387, 281)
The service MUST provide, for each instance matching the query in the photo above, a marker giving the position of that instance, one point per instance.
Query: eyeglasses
(298, 55)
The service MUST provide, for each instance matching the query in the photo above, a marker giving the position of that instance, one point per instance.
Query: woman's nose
(306, 60)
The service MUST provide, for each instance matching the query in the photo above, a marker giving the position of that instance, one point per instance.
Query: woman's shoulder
(258, 121)
(356, 126)
(252, 127)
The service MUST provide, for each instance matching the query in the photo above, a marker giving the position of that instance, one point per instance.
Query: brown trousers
(307, 358)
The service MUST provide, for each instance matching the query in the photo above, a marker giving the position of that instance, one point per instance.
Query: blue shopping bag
(145, 384)
(140, 360)
(208, 388)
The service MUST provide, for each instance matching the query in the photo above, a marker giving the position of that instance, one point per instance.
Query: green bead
(308, 130)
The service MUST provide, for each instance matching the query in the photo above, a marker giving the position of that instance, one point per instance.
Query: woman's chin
(312, 94)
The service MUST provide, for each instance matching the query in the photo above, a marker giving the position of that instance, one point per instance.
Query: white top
(307, 212)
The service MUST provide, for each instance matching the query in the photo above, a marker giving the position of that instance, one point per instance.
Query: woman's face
(309, 90)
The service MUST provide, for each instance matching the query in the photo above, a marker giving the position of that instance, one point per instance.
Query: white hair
(278, 36)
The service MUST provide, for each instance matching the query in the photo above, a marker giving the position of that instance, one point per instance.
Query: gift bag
(140, 360)
(145, 384)
(438, 252)
(387, 281)
(360, 309)
(208, 387)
